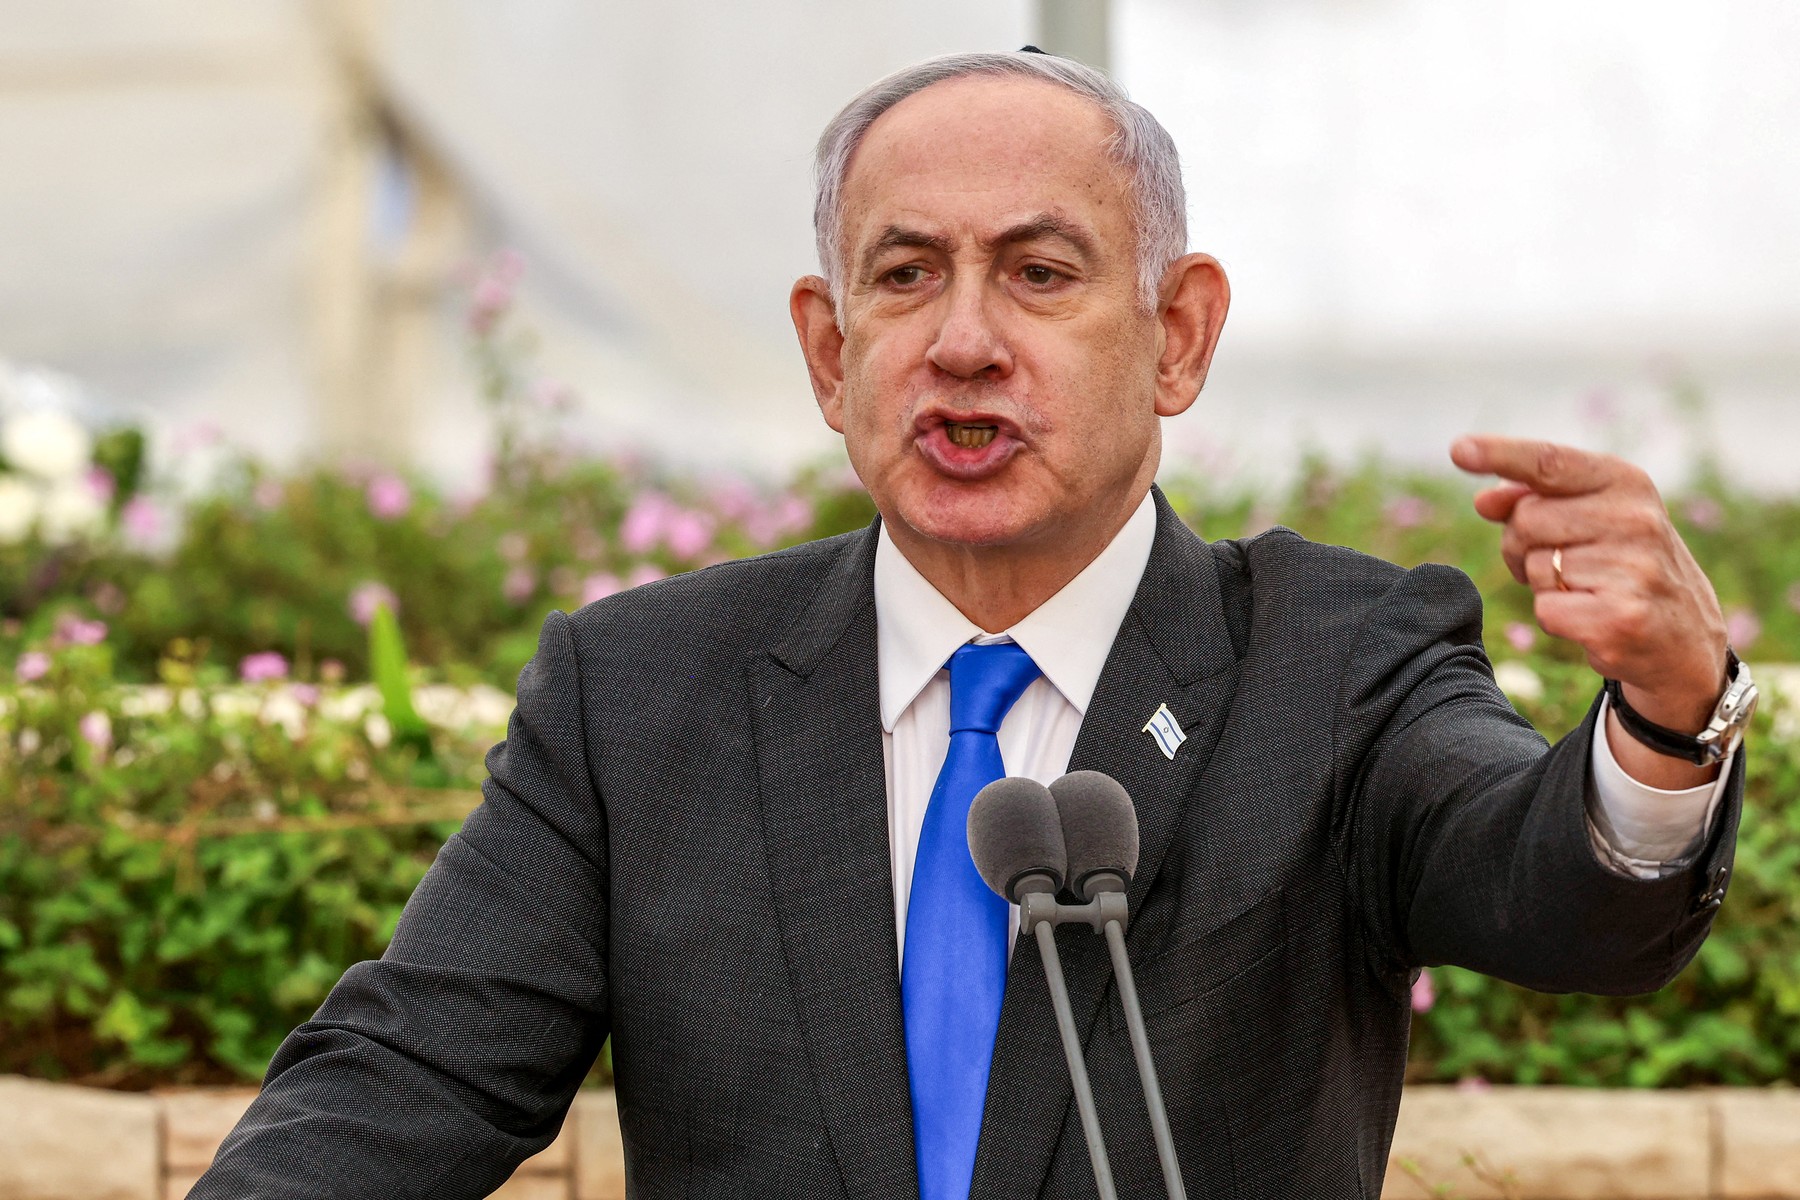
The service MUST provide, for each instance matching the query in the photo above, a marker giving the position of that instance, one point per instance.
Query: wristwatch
(1730, 718)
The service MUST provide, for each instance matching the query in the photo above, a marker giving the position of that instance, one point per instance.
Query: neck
(996, 587)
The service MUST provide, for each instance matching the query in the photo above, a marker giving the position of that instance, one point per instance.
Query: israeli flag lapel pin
(1163, 726)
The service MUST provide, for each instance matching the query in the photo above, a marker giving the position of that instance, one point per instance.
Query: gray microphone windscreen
(1014, 831)
(1099, 825)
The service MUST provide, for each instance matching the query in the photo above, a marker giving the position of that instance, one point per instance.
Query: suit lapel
(1174, 647)
(816, 712)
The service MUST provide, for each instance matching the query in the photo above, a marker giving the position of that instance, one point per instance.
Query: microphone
(1100, 832)
(1016, 840)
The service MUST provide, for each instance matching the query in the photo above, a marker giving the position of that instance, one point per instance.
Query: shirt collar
(1068, 636)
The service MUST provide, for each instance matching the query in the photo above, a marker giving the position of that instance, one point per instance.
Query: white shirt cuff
(1642, 831)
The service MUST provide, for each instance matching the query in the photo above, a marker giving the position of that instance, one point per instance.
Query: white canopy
(1436, 217)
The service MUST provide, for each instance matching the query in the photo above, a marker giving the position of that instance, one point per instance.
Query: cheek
(874, 388)
(1111, 420)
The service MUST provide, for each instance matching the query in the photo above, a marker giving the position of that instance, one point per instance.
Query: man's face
(997, 381)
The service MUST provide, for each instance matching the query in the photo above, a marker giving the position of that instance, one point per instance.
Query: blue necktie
(955, 962)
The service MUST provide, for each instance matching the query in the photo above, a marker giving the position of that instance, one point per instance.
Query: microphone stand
(1140, 1046)
(1071, 1041)
(1106, 912)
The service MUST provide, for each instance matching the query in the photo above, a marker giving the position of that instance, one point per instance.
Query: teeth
(970, 437)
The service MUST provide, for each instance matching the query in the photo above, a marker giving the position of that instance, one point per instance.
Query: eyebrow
(1044, 225)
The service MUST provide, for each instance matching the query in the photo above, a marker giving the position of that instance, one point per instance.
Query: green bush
(291, 564)
(188, 864)
(185, 870)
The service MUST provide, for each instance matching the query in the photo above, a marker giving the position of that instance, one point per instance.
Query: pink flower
(1473, 1083)
(687, 532)
(789, 515)
(1520, 636)
(794, 513)
(365, 598)
(731, 496)
(519, 584)
(645, 573)
(72, 630)
(1424, 994)
(96, 731)
(100, 481)
(1742, 628)
(1407, 512)
(645, 521)
(268, 493)
(331, 671)
(142, 520)
(1703, 512)
(599, 585)
(493, 292)
(305, 693)
(487, 304)
(262, 667)
(388, 497)
(32, 666)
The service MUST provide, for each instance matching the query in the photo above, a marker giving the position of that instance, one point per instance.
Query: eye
(906, 276)
(1038, 275)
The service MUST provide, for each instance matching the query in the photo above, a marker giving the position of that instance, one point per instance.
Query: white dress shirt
(1636, 830)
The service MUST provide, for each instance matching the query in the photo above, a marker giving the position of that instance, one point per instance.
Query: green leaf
(387, 663)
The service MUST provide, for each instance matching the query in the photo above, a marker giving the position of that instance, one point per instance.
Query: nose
(969, 345)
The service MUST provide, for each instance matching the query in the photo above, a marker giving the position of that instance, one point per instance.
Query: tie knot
(985, 681)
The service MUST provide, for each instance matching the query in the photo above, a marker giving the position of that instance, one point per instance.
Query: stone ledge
(70, 1143)
(1554, 1144)
(1759, 1144)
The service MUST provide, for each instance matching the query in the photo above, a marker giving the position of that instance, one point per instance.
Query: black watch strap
(1661, 738)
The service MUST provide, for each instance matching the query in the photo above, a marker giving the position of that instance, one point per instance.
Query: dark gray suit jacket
(684, 844)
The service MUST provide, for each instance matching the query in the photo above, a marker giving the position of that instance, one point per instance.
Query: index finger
(1545, 467)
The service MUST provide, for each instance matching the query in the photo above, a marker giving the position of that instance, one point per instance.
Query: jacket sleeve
(1466, 837)
(434, 1071)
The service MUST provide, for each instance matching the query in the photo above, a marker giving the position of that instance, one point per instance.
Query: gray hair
(1139, 146)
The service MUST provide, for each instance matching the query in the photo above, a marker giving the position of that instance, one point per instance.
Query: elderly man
(726, 825)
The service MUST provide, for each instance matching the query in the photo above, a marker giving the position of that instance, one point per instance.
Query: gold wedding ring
(1556, 569)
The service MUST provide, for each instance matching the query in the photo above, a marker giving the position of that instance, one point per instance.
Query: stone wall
(69, 1143)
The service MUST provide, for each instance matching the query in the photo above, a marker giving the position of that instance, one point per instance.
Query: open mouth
(969, 437)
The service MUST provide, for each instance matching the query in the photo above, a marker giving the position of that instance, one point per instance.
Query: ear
(822, 342)
(1191, 312)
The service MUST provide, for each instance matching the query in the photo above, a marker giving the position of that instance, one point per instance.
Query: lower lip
(964, 462)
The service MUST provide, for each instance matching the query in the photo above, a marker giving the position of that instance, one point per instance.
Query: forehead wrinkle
(1044, 225)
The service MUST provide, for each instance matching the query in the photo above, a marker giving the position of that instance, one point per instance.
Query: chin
(969, 521)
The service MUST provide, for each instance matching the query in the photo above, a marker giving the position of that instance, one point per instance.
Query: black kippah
(1031, 50)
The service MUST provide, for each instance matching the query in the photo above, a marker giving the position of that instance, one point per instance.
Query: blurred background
(342, 339)
(260, 217)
